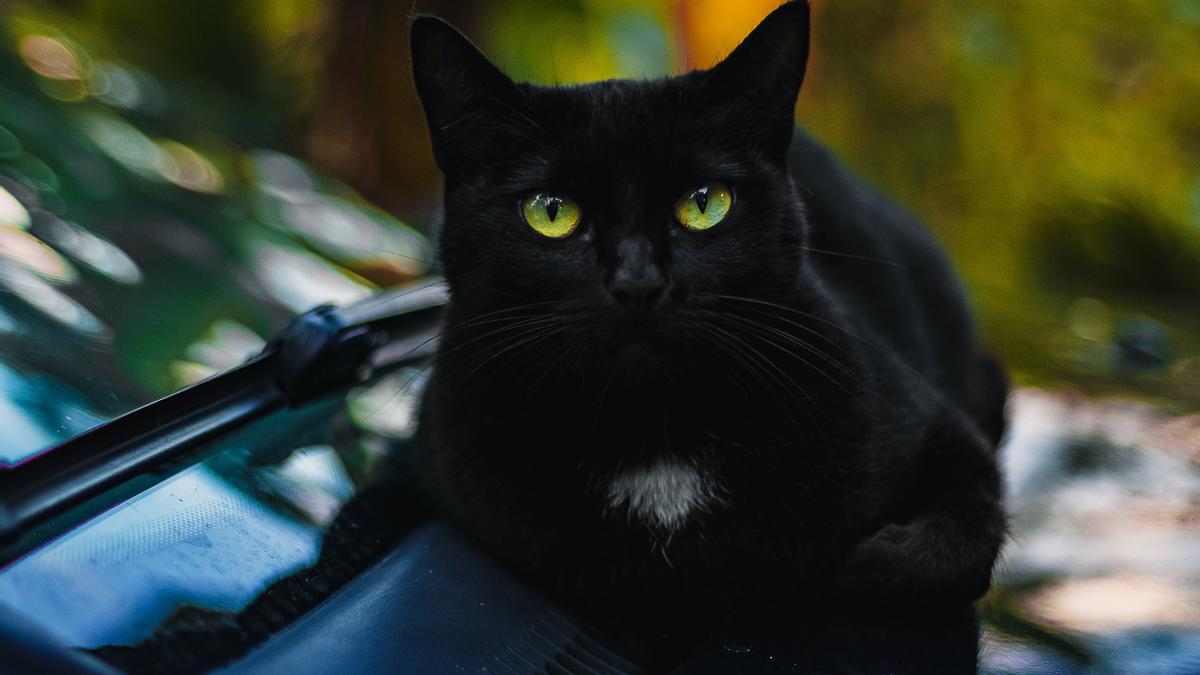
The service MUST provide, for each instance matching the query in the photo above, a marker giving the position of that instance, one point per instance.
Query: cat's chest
(665, 494)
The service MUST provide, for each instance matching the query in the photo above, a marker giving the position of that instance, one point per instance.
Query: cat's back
(886, 268)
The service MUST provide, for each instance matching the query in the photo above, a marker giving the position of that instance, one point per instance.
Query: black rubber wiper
(323, 351)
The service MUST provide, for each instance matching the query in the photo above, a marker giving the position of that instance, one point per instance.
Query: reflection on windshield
(226, 344)
(211, 544)
(53, 303)
(385, 407)
(212, 536)
(36, 412)
(12, 212)
(301, 280)
(93, 251)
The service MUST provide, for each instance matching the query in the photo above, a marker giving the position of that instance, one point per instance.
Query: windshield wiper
(323, 351)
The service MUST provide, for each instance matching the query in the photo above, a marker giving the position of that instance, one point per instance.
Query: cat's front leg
(942, 551)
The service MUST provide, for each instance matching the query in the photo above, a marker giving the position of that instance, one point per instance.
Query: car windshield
(216, 533)
(140, 251)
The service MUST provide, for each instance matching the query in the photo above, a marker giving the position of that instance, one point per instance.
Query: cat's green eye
(550, 215)
(704, 207)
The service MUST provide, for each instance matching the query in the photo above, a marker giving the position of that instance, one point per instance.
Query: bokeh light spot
(300, 280)
(281, 175)
(50, 58)
(1115, 603)
(123, 142)
(51, 301)
(23, 249)
(187, 168)
(226, 344)
(96, 252)
(128, 88)
(1090, 319)
(12, 212)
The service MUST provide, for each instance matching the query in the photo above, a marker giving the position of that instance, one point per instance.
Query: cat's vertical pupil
(701, 197)
(551, 215)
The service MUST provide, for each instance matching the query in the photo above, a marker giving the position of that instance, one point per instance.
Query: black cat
(677, 378)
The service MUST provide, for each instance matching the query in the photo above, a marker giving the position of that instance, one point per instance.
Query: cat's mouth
(636, 352)
(638, 343)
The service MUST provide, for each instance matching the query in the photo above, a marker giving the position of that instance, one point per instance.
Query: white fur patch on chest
(663, 494)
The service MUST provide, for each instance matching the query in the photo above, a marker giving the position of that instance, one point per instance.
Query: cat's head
(622, 210)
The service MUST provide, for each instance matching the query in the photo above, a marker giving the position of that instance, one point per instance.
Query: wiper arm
(329, 347)
(322, 351)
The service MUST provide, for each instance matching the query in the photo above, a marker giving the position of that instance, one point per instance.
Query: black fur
(812, 357)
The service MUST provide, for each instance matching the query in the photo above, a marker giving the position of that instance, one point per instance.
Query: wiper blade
(323, 351)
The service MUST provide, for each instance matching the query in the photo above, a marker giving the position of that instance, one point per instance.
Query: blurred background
(179, 179)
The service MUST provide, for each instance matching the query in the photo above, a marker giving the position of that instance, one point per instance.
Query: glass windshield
(215, 534)
(142, 248)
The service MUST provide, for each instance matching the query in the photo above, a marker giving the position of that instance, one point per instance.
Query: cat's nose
(638, 293)
(637, 281)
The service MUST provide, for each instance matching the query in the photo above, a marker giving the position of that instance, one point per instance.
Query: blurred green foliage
(1053, 146)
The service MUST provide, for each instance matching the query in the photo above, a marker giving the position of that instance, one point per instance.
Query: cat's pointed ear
(461, 90)
(765, 71)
